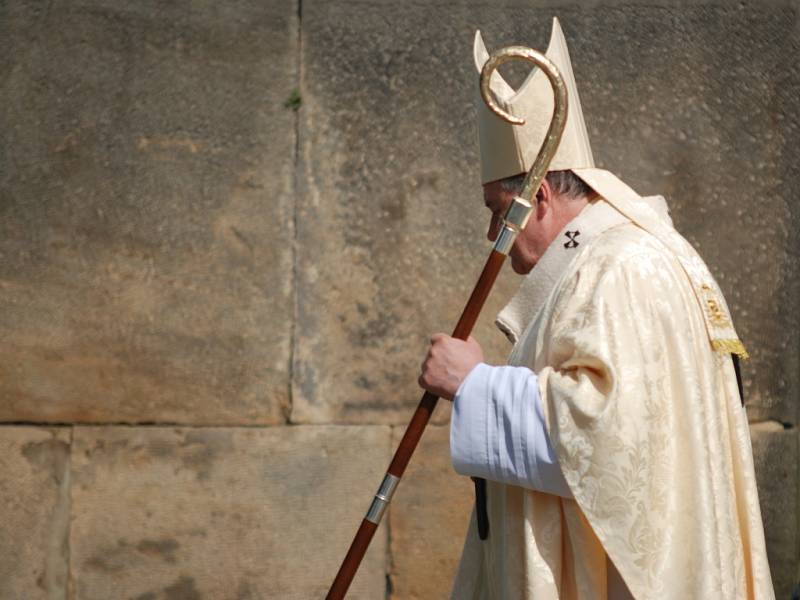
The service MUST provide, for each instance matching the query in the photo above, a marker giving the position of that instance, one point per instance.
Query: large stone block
(34, 496)
(391, 230)
(223, 513)
(775, 452)
(428, 520)
(391, 222)
(146, 166)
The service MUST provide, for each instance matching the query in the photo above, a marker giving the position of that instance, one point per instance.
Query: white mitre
(507, 149)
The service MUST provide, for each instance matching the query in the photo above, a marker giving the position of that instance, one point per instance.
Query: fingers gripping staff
(514, 221)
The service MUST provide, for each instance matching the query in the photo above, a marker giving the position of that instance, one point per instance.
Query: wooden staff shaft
(513, 222)
(411, 438)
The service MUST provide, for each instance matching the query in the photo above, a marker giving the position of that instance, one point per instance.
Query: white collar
(595, 218)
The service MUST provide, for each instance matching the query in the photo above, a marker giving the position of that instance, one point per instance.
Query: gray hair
(564, 183)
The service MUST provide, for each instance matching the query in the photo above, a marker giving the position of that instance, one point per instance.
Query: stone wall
(227, 230)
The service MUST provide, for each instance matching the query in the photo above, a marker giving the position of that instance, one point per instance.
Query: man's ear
(544, 199)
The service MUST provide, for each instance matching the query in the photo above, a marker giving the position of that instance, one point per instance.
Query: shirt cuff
(497, 430)
(468, 436)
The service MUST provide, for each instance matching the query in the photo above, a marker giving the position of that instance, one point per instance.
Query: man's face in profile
(530, 243)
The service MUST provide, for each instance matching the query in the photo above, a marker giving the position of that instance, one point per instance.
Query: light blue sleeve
(497, 431)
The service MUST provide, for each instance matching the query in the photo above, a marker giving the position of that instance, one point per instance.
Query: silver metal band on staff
(514, 221)
(382, 498)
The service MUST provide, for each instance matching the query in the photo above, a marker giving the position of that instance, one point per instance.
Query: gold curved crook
(560, 106)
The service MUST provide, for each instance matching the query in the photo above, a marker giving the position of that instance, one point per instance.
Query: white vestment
(626, 332)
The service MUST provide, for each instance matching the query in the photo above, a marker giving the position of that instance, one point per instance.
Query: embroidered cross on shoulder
(572, 242)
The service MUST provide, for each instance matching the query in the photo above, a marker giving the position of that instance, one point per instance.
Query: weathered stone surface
(391, 227)
(391, 232)
(34, 496)
(145, 241)
(223, 513)
(146, 236)
(775, 452)
(428, 520)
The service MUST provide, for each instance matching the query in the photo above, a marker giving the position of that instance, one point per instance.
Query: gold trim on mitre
(507, 149)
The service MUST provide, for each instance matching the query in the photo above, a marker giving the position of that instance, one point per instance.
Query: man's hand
(448, 362)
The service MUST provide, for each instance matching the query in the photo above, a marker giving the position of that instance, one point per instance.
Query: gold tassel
(733, 346)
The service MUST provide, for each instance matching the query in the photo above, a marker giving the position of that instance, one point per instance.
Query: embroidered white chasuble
(645, 418)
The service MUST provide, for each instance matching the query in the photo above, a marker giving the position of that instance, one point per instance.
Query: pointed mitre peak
(508, 149)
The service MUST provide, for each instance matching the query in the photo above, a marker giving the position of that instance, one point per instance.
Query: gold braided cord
(730, 346)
